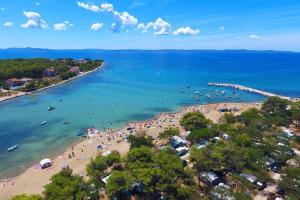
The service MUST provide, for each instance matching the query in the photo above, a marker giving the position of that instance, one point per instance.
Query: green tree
(243, 140)
(118, 185)
(27, 197)
(167, 134)
(194, 120)
(188, 193)
(31, 86)
(98, 166)
(113, 158)
(200, 134)
(218, 157)
(228, 118)
(142, 156)
(66, 186)
(67, 75)
(276, 111)
(140, 140)
(295, 111)
(274, 104)
(171, 167)
(251, 117)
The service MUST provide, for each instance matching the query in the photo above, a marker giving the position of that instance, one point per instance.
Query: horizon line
(99, 49)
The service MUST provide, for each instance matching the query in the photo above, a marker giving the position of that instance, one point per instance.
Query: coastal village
(260, 162)
(41, 74)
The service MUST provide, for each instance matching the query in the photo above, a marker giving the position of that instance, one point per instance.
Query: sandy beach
(33, 179)
(18, 94)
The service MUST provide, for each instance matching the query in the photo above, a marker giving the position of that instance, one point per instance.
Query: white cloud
(186, 31)
(90, 7)
(107, 7)
(34, 20)
(142, 27)
(62, 26)
(37, 3)
(8, 24)
(254, 37)
(125, 18)
(96, 26)
(222, 28)
(160, 26)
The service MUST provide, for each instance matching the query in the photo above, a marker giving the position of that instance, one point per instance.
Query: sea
(133, 85)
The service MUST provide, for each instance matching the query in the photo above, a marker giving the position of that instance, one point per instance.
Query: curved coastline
(19, 94)
(178, 110)
(31, 173)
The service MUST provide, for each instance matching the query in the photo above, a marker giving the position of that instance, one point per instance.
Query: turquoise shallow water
(133, 85)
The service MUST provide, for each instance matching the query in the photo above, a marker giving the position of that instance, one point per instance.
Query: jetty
(251, 90)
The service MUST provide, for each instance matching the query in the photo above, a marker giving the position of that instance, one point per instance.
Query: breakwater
(252, 90)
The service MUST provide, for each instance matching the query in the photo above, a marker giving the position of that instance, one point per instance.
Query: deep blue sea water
(133, 85)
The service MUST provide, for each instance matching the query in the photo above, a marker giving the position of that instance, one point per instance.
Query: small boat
(65, 123)
(51, 108)
(12, 148)
(43, 122)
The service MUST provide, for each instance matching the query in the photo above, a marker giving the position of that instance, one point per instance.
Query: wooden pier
(251, 90)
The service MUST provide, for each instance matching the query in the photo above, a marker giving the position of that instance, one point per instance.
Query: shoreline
(126, 125)
(29, 176)
(19, 94)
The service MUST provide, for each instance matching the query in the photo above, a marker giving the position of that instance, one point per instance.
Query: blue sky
(151, 24)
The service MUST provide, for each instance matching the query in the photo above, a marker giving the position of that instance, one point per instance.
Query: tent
(45, 163)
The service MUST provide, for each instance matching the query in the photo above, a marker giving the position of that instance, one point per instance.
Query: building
(76, 70)
(181, 151)
(50, 72)
(14, 82)
(209, 178)
(177, 141)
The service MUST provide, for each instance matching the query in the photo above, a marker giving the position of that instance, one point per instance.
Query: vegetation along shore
(214, 151)
(19, 77)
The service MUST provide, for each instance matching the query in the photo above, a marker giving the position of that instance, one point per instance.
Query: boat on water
(43, 122)
(51, 108)
(12, 148)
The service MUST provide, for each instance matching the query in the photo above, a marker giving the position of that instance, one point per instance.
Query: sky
(151, 24)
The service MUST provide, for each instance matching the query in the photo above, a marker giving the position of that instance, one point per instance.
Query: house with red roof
(76, 70)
